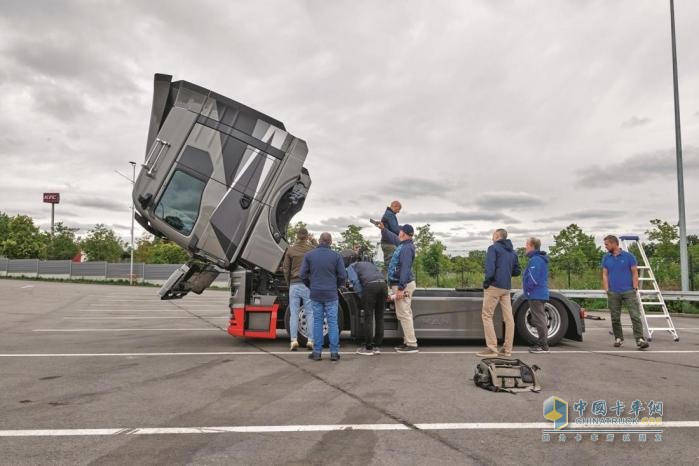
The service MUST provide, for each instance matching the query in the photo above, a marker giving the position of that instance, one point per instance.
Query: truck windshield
(179, 204)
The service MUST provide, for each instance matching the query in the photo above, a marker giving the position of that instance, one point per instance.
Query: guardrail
(667, 295)
(65, 269)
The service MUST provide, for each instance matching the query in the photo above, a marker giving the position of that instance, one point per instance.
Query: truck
(223, 181)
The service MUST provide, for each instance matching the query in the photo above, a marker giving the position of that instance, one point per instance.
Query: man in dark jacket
(536, 289)
(298, 291)
(501, 264)
(390, 222)
(401, 279)
(323, 272)
(368, 281)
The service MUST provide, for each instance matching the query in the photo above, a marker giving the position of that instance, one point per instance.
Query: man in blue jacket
(501, 264)
(369, 283)
(401, 279)
(536, 289)
(323, 271)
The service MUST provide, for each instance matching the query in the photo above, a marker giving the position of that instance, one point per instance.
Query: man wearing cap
(298, 292)
(401, 279)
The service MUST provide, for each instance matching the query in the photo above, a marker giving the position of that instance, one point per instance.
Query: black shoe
(642, 343)
(407, 349)
(538, 349)
(314, 356)
(334, 356)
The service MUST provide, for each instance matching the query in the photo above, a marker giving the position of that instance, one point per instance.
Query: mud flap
(254, 321)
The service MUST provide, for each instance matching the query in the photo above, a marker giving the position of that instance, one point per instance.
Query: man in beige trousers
(501, 264)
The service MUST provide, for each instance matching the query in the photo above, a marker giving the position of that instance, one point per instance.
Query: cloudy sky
(475, 114)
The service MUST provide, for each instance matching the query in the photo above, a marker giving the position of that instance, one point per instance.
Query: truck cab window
(179, 204)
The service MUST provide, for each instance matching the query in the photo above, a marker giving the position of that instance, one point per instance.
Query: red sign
(52, 198)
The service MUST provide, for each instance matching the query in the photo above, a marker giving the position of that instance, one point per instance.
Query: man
(368, 281)
(402, 282)
(390, 222)
(536, 289)
(298, 292)
(620, 281)
(501, 264)
(323, 271)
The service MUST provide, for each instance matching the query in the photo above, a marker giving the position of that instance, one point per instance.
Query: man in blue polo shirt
(620, 281)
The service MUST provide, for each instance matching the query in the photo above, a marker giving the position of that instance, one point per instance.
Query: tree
(102, 244)
(574, 251)
(464, 265)
(292, 230)
(159, 251)
(4, 226)
(63, 244)
(424, 237)
(664, 239)
(167, 252)
(351, 237)
(23, 239)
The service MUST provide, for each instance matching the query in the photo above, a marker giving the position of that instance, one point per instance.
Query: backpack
(506, 375)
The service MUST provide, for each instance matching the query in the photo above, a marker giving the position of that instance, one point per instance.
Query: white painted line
(656, 331)
(319, 428)
(27, 286)
(207, 329)
(142, 317)
(149, 310)
(297, 353)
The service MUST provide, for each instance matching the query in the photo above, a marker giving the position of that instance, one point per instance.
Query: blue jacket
(323, 272)
(360, 274)
(400, 269)
(501, 264)
(536, 277)
(390, 221)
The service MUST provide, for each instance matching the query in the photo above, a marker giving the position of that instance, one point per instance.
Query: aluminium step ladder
(649, 295)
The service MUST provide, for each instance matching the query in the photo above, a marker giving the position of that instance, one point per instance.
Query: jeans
(300, 294)
(493, 296)
(322, 311)
(540, 321)
(630, 299)
(374, 300)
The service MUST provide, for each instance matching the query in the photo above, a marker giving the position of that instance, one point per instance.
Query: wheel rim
(304, 327)
(553, 320)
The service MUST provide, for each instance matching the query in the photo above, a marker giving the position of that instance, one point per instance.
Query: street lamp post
(133, 181)
(684, 259)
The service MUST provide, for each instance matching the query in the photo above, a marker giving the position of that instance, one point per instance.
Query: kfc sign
(52, 198)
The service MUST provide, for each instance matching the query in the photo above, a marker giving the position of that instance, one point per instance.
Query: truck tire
(557, 323)
(304, 327)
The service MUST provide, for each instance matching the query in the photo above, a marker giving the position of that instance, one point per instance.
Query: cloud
(581, 215)
(101, 203)
(640, 168)
(403, 187)
(475, 216)
(508, 200)
(635, 121)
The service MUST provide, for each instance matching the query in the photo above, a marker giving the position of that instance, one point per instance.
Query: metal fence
(65, 269)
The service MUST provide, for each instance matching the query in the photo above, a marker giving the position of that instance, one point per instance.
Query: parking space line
(313, 428)
(218, 309)
(65, 330)
(305, 353)
(143, 317)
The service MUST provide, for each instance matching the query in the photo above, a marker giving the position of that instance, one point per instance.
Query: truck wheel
(557, 323)
(305, 328)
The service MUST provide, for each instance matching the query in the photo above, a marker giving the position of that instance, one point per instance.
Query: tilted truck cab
(223, 181)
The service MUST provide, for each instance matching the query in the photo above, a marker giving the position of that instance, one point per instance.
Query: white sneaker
(309, 345)
(294, 345)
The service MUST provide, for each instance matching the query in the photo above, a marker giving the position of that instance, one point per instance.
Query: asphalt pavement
(103, 374)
